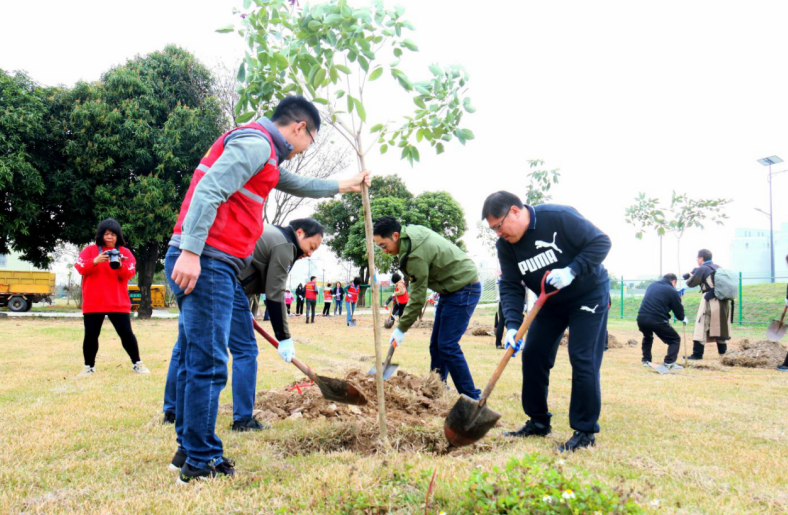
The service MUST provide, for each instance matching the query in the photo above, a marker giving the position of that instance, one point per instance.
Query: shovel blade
(387, 372)
(467, 422)
(338, 390)
(776, 331)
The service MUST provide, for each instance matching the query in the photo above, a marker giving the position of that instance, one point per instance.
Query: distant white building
(750, 254)
(14, 262)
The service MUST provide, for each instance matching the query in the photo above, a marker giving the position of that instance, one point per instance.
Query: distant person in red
(106, 268)
(311, 298)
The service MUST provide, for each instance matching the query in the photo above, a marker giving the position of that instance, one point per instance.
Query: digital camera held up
(114, 258)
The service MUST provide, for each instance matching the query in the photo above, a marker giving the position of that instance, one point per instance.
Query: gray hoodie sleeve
(244, 155)
(310, 187)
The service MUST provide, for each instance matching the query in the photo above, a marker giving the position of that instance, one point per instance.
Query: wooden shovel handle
(303, 367)
(783, 317)
(520, 333)
(390, 355)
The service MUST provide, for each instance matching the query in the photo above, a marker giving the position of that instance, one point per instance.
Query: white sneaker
(140, 368)
(673, 366)
(87, 370)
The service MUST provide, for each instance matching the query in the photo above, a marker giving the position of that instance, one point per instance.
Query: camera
(114, 258)
(686, 276)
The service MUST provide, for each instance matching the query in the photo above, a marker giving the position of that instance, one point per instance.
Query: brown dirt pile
(415, 409)
(761, 354)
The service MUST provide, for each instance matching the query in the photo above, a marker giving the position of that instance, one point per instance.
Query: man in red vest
(220, 221)
(351, 298)
(311, 298)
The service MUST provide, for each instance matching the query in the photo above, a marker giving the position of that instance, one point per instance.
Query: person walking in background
(327, 300)
(713, 321)
(339, 296)
(288, 300)
(351, 297)
(653, 318)
(311, 298)
(106, 267)
(299, 293)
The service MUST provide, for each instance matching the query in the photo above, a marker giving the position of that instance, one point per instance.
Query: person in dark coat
(713, 321)
(300, 292)
(654, 318)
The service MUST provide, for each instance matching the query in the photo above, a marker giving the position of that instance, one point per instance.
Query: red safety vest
(311, 291)
(239, 221)
(327, 295)
(352, 294)
(402, 299)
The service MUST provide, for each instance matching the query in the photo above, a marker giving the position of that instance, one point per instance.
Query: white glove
(684, 321)
(561, 277)
(786, 302)
(510, 334)
(286, 350)
(397, 336)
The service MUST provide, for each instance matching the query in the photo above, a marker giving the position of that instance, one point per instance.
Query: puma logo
(537, 262)
(542, 244)
(131, 267)
(586, 308)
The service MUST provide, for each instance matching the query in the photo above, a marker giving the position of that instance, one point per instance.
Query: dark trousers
(662, 328)
(299, 306)
(122, 324)
(311, 304)
(397, 310)
(327, 309)
(288, 308)
(451, 320)
(698, 348)
(500, 326)
(586, 348)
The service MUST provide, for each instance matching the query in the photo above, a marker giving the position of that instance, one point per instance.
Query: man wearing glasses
(220, 220)
(532, 241)
(430, 260)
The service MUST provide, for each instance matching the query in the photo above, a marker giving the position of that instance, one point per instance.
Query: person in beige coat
(713, 321)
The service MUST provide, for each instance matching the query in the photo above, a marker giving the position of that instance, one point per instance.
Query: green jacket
(430, 260)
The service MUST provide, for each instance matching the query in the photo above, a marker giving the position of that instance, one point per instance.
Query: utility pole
(769, 161)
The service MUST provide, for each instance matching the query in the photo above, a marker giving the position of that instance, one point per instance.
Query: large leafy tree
(343, 219)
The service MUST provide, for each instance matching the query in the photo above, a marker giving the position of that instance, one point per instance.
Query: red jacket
(105, 290)
(401, 298)
(311, 291)
(239, 221)
(327, 295)
(352, 294)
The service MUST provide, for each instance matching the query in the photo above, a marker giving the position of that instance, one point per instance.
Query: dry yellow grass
(699, 442)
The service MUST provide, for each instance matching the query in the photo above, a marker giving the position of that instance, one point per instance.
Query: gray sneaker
(673, 366)
(645, 363)
(140, 368)
(87, 371)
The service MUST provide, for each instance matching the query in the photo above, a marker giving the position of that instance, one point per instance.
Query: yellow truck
(19, 290)
(157, 296)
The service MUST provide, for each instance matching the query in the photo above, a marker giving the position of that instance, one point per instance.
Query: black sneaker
(578, 441)
(249, 425)
(177, 461)
(694, 357)
(530, 428)
(169, 417)
(189, 473)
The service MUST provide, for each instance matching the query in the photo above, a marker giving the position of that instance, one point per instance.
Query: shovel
(388, 367)
(776, 329)
(332, 389)
(469, 419)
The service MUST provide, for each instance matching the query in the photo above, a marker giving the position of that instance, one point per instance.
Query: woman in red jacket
(106, 268)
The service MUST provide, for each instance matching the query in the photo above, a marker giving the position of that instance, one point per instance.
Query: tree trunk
(146, 266)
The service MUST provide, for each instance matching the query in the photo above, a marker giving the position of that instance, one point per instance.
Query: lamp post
(769, 161)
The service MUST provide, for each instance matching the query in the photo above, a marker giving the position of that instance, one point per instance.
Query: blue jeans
(337, 306)
(350, 309)
(243, 348)
(215, 308)
(451, 320)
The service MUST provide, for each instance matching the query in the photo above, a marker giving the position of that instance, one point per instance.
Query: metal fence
(759, 300)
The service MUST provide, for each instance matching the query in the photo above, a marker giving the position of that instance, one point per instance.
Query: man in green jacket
(430, 260)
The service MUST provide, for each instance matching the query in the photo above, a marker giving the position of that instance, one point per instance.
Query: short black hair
(109, 224)
(295, 108)
(313, 278)
(356, 281)
(670, 277)
(310, 226)
(705, 254)
(385, 226)
(395, 278)
(328, 284)
(498, 204)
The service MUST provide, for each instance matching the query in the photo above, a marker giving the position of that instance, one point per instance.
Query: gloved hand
(286, 350)
(681, 292)
(561, 277)
(510, 334)
(786, 302)
(397, 336)
(685, 321)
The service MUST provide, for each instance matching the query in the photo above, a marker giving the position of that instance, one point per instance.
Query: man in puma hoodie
(432, 261)
(555, 239)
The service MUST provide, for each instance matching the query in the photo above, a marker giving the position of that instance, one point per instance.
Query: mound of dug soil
(761, 354)
(415, 409)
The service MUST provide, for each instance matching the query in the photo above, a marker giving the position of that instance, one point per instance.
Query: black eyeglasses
(497, 227)
(306, 126)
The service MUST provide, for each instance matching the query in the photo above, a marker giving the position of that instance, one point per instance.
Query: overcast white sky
(621, 96)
